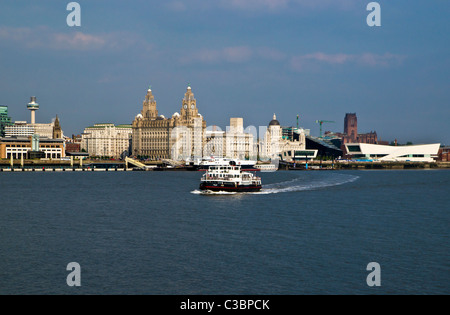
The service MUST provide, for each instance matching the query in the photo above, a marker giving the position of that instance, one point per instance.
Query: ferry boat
(205, 163)
(266, 167)
(229, 178)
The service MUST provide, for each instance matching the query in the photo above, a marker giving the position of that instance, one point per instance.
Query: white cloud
(258, 4)
(234, 54)
(242, 54)
(274, 5)
(299, 63)
(45, 38)
(271, 54)
(76, 41)
(380, 60)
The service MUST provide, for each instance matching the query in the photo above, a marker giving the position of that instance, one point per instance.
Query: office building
(107, 140)
(5, 120)
(290, 147)
(19, 147)
(179, 138)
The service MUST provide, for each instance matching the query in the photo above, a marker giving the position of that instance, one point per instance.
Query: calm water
(154, 233)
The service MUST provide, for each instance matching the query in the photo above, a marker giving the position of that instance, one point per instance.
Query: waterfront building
(51, 130)
(44, 130)
(290, 133)
(5, 120)
(234, 143)
(351, 134)
(180, 137)
(73, 144)
(444, 154)
(386, 153)
(215, 142)
(19, 129)
(276, 146)
(107, 140)
(269, 147)
(23, 129)
(21, 146)
(326, 148)
(239, 144)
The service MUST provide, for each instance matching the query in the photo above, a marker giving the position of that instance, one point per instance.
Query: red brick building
(351, 134)
(444, 154)
(73, 144)
(73, 147)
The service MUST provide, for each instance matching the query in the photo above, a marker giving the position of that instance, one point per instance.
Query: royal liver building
(179, 138)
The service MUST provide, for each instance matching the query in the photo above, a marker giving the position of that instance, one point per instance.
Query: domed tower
(149, 110)
(275, 129)
(189, 106)
(274, 122)
(273, 138)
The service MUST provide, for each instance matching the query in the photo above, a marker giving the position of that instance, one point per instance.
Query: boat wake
(300, 184)
(295, 185)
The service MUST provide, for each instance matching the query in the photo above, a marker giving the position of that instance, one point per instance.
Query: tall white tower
(33, 107)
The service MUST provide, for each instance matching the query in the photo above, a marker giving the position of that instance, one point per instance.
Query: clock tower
(189, 109)
(149, 110)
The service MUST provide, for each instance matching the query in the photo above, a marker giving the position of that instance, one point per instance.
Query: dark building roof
(274, 121)
(325, 147)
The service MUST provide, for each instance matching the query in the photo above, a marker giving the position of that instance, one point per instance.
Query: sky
(243, 58)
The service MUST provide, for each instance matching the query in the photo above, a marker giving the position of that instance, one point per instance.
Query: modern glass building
(5, 120)
(386, 153)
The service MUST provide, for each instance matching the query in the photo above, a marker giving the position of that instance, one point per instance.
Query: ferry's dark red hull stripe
(229, 187)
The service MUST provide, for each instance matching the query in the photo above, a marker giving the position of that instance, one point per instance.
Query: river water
(310, 232)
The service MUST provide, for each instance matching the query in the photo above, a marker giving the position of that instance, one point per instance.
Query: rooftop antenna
(321, 123)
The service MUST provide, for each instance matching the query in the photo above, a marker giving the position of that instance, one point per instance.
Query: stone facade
(180, 137)
(234, 143)
(106, 140)
(273, 144)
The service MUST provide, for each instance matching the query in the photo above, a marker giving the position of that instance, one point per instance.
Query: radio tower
(33, 107)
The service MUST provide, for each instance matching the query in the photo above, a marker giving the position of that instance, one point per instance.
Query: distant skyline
(243, 58)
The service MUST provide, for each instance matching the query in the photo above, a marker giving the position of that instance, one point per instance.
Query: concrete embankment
(324, 165)
(85, 166)
(119, 166)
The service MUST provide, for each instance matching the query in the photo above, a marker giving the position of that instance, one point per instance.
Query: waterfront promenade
(120, 166)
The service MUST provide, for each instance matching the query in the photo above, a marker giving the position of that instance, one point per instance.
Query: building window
(354, 148)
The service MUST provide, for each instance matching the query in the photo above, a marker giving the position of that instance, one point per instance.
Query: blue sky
(243, 58)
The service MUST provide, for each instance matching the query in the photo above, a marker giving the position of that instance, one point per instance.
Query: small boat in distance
(205, 163)
(229, 178)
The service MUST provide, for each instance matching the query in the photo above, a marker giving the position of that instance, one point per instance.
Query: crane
(321, 123)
